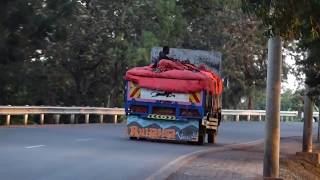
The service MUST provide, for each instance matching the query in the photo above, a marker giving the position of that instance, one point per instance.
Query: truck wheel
(201, 136)
(211, 137)
(200, 139)
(133, 138)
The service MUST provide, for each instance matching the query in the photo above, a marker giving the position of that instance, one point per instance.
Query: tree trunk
(110, 98)
(307, 123)
(109, 101)
(272, 136)
(250, 103)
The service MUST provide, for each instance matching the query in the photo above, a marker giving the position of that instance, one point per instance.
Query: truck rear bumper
(174, 130)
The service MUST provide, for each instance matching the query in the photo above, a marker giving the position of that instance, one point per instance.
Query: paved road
(102, 151)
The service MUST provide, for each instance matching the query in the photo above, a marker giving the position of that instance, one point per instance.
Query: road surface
(85, 152)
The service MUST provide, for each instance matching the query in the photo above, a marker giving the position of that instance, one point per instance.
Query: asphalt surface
(103, 151)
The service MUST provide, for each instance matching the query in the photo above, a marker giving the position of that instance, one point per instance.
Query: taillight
(190, 112)
(164, 111)
(138, 109)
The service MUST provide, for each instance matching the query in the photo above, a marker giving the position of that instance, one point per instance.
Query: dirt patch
(295, 168)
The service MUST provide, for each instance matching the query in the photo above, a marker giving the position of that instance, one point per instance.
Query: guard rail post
(25, 120)
(101, 119)
(225, 117)
(237, 118)
(8, 120)
(41, 119)
(87, 118)
(248, 117)
(72, 118)
(57, 118)
(260, 118)
(115, 118)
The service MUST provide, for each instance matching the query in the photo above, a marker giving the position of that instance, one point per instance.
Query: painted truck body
(153, 114)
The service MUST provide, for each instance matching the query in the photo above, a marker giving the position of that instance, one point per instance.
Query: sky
(291, 82)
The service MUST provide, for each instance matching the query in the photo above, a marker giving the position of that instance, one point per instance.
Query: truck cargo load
(174, 76)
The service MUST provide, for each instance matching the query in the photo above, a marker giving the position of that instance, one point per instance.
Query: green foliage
(294, 20)
(291, 101)
(290, 19)
(311, 66)
(222, 26)
(67, 52)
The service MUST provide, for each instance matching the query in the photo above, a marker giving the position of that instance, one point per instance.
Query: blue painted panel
(162, 129)
(164, 105)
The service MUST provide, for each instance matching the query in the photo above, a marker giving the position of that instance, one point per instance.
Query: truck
(180, 100)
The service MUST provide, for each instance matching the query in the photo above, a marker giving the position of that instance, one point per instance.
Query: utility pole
(272, 134)
(307, 123)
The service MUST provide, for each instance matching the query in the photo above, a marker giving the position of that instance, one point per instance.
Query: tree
(77, 52)
(23, 29)
(103, 39)
(288, 20)
(291, 101)
(220, 25)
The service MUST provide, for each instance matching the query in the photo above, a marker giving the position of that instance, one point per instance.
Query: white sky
(292, 82)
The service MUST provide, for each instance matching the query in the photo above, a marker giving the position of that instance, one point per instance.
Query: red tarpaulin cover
(174, 76)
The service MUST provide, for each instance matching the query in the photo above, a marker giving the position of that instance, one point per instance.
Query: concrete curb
(175, 165)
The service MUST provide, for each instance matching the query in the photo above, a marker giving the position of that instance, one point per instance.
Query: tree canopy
(68, 52)
(294, 20)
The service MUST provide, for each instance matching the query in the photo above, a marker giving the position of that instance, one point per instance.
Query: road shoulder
(184, 161)
(243, 161)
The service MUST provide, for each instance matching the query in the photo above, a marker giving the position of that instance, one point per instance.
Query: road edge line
(173, 166)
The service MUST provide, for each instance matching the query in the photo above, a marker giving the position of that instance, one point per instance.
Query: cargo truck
(180, 100)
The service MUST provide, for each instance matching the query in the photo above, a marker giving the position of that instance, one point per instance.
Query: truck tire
(211, 136)
(201, 135)
(200, 139)
(133, 138)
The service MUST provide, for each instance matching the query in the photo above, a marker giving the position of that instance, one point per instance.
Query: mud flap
(212, 125)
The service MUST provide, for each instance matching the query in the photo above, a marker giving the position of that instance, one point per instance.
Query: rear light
(190, 112)
(164, 111)
(138, 109)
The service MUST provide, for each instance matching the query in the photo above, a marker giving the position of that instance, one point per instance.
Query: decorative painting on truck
(162, 129)
(163, 95)
(142, 94)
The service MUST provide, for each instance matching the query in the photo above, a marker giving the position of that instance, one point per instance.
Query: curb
(175, 165)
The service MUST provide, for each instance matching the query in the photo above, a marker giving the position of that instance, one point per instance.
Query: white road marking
(36, 146)
(83, 139)
(173, 166)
